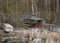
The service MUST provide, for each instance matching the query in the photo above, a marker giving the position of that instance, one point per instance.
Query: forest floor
(45, 35)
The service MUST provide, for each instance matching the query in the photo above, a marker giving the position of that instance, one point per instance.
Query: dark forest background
(13, 10)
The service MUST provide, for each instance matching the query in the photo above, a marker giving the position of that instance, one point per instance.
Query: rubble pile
(39, 36)
(35, 36)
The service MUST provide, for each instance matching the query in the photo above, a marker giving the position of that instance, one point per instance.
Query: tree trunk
(57, 11)
(33, 7)
(49, 12)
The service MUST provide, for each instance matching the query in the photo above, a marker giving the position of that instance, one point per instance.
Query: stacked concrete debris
(42, 36)
(35, 36)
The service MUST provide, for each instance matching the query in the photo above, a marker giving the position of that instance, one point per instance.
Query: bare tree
(33, 7)
(49, 12)
(57, 10)
(55, 16)
(46, 8)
